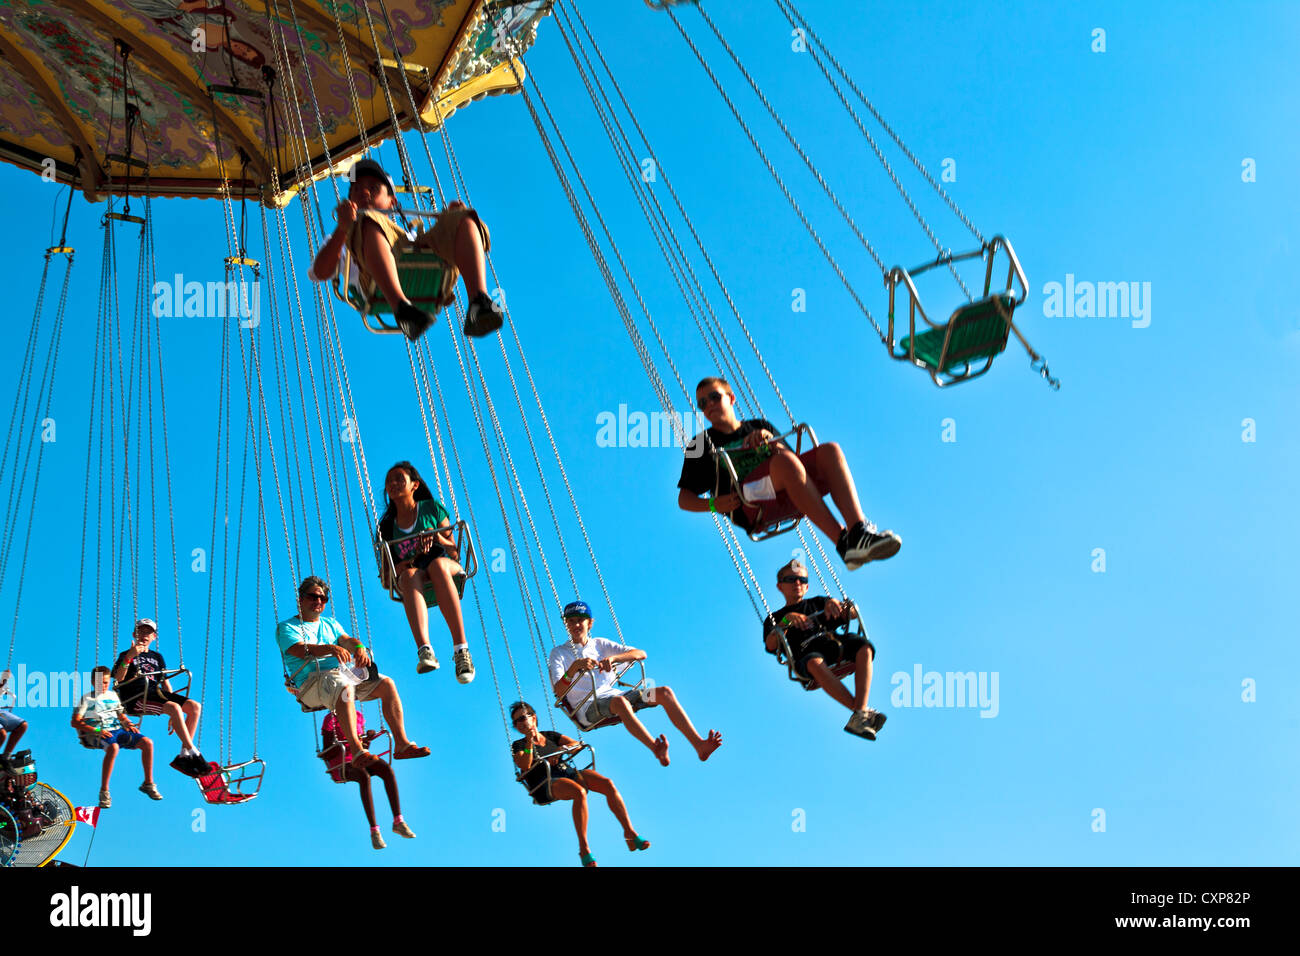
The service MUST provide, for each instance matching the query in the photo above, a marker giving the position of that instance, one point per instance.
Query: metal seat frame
(766, 526)
(963, 370)
(465, 555)
(574, 710)
(840, 670)
(566, 757)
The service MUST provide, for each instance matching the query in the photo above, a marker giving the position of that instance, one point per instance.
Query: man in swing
(585, 663)
(802, 480)
(324, 681)
(371, 236)
(808, 624)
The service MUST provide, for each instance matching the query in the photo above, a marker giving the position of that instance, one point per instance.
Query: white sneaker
(428, 660)
(464, 665)
(865, 723)
(105, 801)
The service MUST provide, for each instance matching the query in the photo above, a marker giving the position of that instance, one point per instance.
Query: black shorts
(832, 651)
(156, 697)
(542, 795)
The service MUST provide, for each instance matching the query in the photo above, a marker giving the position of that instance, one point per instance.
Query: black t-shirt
(703, 473)
(149, 665)
(796, 634)
(537, 773)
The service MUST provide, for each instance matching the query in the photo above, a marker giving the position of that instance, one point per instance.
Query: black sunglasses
(793, 579)
(709, 399)
(315, 597)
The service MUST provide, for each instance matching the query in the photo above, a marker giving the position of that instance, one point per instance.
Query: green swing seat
(975, 331)
(422, 274)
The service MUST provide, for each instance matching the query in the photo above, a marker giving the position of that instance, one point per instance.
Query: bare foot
(706, 747)
(661, 749)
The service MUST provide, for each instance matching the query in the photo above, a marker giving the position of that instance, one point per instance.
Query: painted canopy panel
(248, 86)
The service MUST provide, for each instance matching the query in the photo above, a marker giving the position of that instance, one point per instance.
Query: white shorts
(760, 490)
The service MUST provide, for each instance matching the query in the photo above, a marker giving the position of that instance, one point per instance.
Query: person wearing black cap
(372, 237)
(807, 623)
(583, 667)
(137, 672)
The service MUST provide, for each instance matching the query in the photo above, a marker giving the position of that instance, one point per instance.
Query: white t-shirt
(101, 710)
(596, 648)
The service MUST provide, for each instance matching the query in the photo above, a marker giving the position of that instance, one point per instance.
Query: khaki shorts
(324, 688)
(440, 239)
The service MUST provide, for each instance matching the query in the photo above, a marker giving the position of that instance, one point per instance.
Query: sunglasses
(316, 597)
(793, 579)
(709, 399)
(521, 718)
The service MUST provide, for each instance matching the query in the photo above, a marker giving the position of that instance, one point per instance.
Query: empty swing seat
(976, 331)
(219, 787)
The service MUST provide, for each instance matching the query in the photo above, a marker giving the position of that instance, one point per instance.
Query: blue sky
(1119, 691)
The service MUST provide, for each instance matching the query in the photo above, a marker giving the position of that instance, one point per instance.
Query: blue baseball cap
(577, 609)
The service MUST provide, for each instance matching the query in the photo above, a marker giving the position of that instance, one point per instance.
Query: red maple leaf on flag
(87, 815)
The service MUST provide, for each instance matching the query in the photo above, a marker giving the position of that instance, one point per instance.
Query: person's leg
(177, 718)
(620, 708)
(193, 709)
(664, 696)
(346, 711)
(385, 773)
(362, 779)
(833, 470)
(470, 258)
(562, 789)
(410, 584)
(380, 264)
(789, 475)
(441, 576)
(862, 677)
(392, 706)
(598, 783)
(14, 736)
(110, 757)
(828, 682)
(146, 759)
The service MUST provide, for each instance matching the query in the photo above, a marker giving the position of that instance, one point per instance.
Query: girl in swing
(338, 758)
(427, 567)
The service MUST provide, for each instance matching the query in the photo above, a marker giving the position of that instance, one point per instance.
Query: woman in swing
(562, 782)
(428, 567)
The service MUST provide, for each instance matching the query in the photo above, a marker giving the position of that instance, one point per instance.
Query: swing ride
(260, 104)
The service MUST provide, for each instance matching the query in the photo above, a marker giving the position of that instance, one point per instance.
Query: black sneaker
(198, 765)
(413, 321)
(863, 543)
(483, 317)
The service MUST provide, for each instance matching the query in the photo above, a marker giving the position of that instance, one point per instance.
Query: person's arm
(723, 504)
(126, 657)
(572, 674)
(79, 721)
(772, 640)
(359, 651)
(625, 656)
(305, 651)
(326, 263)
(523, 758)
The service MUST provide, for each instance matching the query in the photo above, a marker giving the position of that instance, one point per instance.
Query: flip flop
(411, 751)
(635, 842)
(364, 759)
(588, 859)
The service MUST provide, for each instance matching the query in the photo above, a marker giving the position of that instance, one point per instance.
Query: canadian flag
(88, 815)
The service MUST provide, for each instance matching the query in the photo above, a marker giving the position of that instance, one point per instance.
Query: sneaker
(198, 765)
(863, 543)
(860, 724)
(877, 719)
(464, 666)
(402, 830)
(151, 791)
(413, 321)
(105, 801)
(428, 660)
(377, 839)
(483, 317)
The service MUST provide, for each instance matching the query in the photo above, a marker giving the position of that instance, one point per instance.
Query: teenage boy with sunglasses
(804, 479)
(814, 650)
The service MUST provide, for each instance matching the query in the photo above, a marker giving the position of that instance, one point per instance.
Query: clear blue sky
(1120, 691)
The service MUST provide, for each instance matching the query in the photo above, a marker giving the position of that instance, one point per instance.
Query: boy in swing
(372, 238)
(770, 472)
